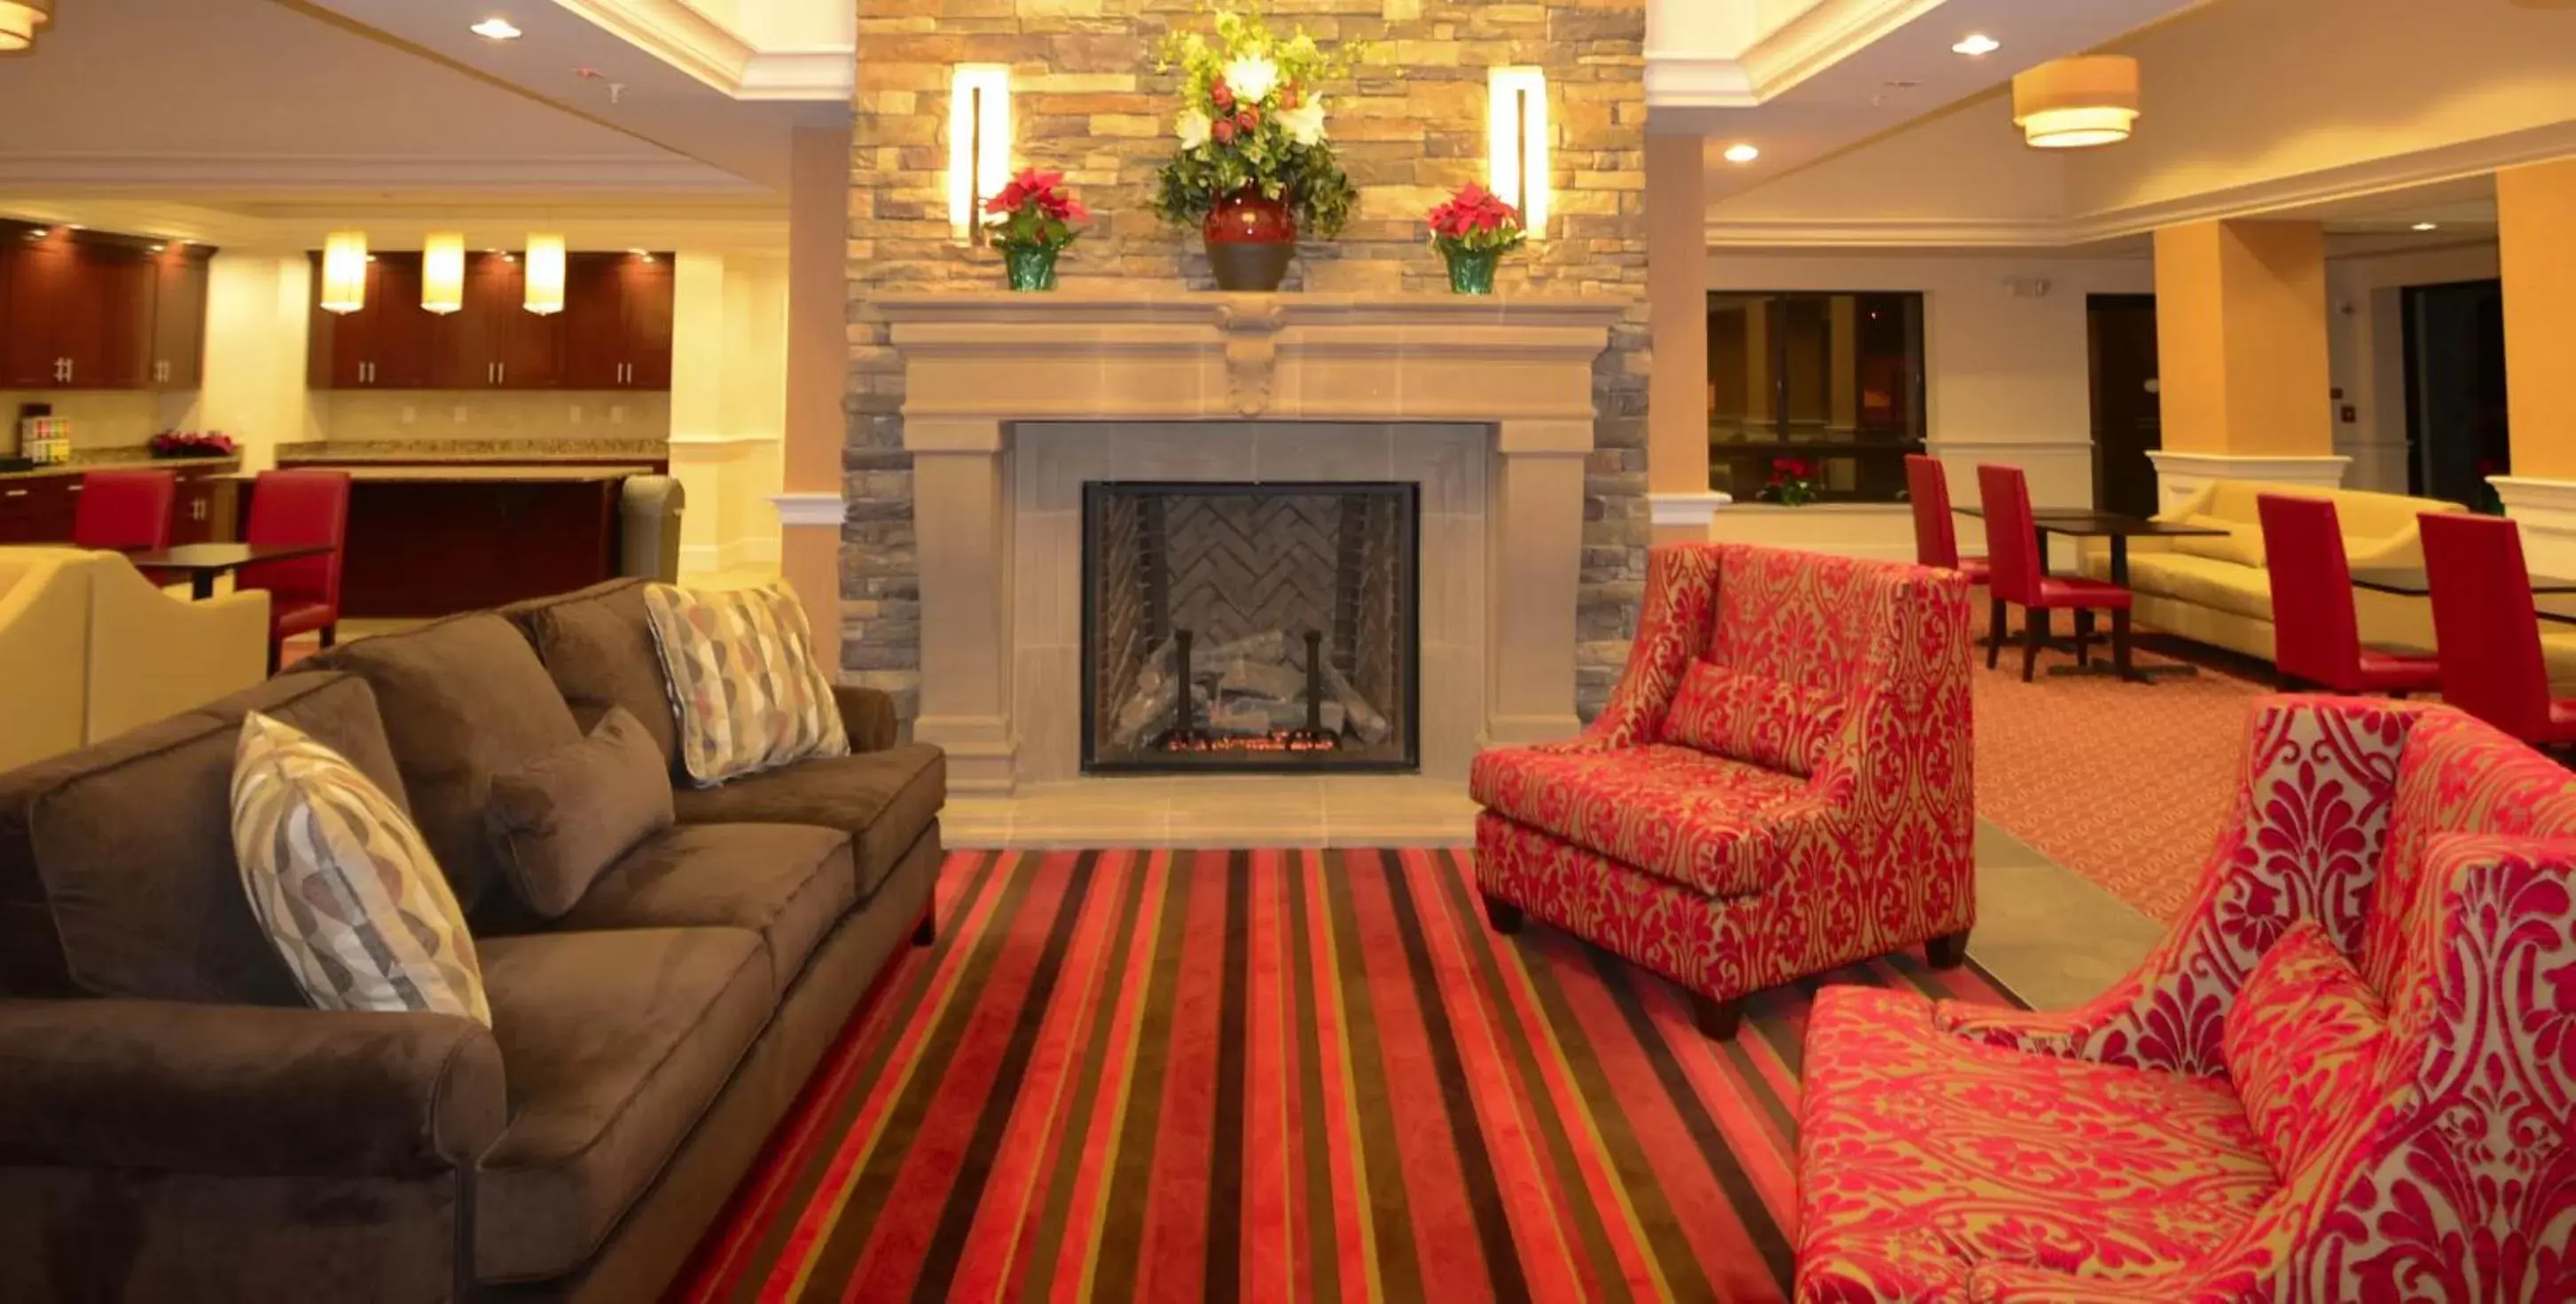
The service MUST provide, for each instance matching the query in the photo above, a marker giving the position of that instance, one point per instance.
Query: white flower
(1305, 123)
(1251, 79)
(1193, 127)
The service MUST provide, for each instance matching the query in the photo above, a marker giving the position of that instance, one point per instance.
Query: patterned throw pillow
(343, 884)
(744, 684)
(2303, 1043)
(1754, 719)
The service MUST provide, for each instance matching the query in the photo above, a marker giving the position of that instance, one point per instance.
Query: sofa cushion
(463, 699)
(1673, 812)
(2303, 1041)
(788, 883)
(153, 907)
(2237, 542)
(2204, 581)
(566, 816)
(1922, 1155)
(613, 1045)
(745, 687)
(343, 885)
(1755, 719)
(598, 646)
(883, 800)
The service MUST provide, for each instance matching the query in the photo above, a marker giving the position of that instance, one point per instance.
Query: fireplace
(1250, 627)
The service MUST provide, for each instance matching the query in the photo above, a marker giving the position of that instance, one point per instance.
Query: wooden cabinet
(617, 321)
(90, 310)
(38, 508)
(43, 508)
(615, 331)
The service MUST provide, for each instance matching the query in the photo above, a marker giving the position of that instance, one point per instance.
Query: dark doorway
(2128, 414)
(2457, 432)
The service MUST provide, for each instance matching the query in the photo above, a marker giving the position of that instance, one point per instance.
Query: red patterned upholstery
(1644, 838)
(1755, 719)
(2403, 859)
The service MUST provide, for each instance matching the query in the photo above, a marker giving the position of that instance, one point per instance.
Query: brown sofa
(176, 1124)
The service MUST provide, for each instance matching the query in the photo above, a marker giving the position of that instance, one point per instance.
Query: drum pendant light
(19, 20)
(442, 272)
(545, 274)
(2077, 103)
(344, 272)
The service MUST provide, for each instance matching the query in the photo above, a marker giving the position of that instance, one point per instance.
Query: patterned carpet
(2126, 784)
(1272, 1076)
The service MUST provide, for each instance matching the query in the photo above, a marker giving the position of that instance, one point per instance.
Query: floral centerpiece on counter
(1254, 164)
(1473, 229)
(1793, 482)
(1031, 222)
(188, 443)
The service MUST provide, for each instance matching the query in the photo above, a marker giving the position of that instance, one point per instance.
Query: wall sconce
(545, 274)
(442, 272)
(979, 142)
(1517, 153)
(344, 271)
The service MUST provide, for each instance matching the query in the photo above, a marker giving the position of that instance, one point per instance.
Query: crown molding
(234, 173)
(802, 511)
(1679, 80)
(679, 35)
(803, 75)
(1891, 233)
(1824, 36)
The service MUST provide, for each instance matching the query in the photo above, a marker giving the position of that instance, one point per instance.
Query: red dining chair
(125, 511)
(303, 592)
(1936, 532)
(2018, 575)
(2486, 631)
(2316, 639)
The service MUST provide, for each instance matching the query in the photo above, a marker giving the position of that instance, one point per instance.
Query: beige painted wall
(256, 322)
(106, 418)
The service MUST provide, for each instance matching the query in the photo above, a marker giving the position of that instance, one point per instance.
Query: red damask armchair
(1782, 783)
(2348, 1073)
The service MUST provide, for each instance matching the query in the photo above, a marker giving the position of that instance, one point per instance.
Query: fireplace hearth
(1250, 627)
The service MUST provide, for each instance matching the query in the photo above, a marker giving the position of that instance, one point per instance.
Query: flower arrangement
(1473, 229)
(1254, 163)
(1031, 222)
(188, 443)
(1793, 481)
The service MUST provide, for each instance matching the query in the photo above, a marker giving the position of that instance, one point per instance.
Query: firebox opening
(1250, 627)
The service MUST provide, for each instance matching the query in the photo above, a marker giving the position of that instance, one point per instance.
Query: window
(1835, 380)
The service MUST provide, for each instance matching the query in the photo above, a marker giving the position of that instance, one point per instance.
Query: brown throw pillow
(563, 818)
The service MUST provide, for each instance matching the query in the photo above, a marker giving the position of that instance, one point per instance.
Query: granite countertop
(469, 452)
(116, 458)
(520, 473)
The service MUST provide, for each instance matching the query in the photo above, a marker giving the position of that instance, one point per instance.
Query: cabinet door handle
(502, 369)
(69, 367)
(76, 488)
(14, 493)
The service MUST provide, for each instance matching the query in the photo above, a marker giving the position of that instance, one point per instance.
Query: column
(1535, 533)
(2242, 356)
(818, 303)
(1677, 299)
(967, 647)
(2536, 209)
(699, 329)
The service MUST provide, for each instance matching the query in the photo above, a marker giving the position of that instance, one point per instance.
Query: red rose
(1249, 119)
(1223, 131)
(1221, 93)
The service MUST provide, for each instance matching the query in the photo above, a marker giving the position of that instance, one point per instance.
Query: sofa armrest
(152, 656)
(238, 1090)
(868, 715)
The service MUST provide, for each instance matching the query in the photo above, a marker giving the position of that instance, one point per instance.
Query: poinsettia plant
(188, 443)
(1252, 114)
(1035, 211)
(1475, 221)
(1793, 481)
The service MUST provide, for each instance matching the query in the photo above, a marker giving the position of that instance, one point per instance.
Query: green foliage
(1266, 136)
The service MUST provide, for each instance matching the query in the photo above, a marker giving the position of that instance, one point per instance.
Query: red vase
(1250, 240)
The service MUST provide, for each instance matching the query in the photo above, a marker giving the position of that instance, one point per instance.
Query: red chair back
(2011, 549)
(299, 507)
(125, 511)
(2483, 624)
(2314, 634)
(1936, 536)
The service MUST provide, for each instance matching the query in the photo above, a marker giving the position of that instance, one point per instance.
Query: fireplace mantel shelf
(1280, 310)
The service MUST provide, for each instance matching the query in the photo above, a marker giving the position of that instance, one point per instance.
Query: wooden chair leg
(2285, 682)
(1948, 951)
(2034, 631)
(2120, 659)
(1717, 1019)
(276, 651)
(330, 634)
(1994, 632)
(2083, 634)
(1502, 916)
(927, 931)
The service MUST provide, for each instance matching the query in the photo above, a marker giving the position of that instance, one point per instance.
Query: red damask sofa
(2349, 1073)
(1781, 784)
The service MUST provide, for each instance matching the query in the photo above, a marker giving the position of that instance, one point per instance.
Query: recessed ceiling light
(2428, 226)
(1742, 153)
(1976, 44)
(495, 29)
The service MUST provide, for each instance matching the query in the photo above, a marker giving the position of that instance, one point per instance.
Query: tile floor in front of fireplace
(2051, 935)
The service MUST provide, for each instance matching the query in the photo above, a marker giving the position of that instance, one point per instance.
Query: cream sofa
(90, 649)
(2216, 590)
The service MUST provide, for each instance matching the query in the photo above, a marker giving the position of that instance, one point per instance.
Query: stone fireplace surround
(1014, 401)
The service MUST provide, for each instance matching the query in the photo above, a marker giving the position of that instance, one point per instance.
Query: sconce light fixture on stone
(979, 142)
(1517, 155)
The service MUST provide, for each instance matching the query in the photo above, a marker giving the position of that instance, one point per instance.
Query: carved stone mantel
(977, 364)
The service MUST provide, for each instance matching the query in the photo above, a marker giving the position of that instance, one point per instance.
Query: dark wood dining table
(2551, 599)
(2118, 528)
(202, 562)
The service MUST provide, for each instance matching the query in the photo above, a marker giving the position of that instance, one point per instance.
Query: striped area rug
(1271, 1076)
